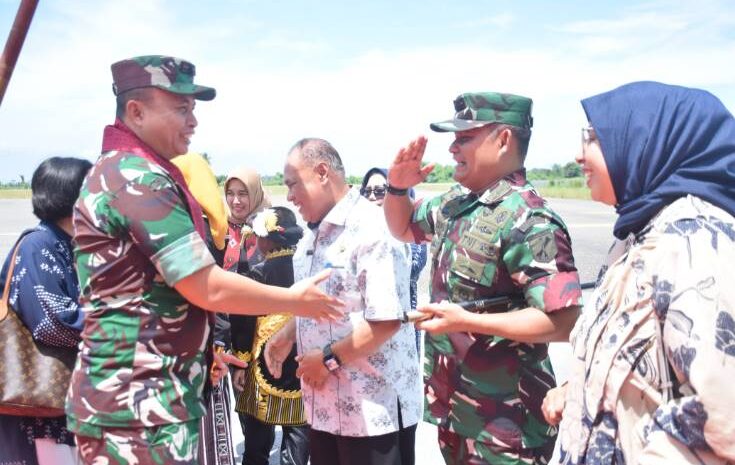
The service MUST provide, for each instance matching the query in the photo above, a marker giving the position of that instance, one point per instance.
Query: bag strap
(667, 386)
(6, 290)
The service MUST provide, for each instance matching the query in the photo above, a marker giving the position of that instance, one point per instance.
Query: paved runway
(590, 224)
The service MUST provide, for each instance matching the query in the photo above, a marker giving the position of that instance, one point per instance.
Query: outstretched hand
(553, 405)
(444, 317)
(238, 380)
(406, 171)
(220, 368)
(311, 369)
(315, 303)
(277, 349)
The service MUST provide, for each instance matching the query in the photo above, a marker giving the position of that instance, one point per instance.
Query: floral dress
(654, 351)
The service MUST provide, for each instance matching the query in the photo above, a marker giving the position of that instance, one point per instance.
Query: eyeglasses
(378, 191)
(588, 136)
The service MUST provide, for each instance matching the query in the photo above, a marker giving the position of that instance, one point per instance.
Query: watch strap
(396, 191)
(330, 359)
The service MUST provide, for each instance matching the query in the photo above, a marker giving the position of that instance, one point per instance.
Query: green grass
(15, 193)
(435, 187)
(572, 188)
(275, 190)
(565, 192)
(559, 189)
(564, 189)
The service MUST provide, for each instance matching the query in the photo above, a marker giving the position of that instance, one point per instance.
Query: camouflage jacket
(504, 241)
(142, 360)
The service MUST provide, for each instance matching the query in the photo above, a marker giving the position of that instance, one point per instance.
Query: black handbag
(34, 377)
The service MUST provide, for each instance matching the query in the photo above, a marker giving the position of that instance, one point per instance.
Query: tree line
(440, 174)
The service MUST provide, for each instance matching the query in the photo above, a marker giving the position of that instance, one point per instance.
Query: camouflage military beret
(167, 73)
(477, 109)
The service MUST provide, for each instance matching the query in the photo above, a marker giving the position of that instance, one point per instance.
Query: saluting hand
(406, 170)
(315, 303)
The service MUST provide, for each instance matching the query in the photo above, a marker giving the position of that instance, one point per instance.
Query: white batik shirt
(370, 274)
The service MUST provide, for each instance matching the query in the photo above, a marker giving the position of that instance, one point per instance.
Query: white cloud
(280, 42)
(367, 105)
(632, 23)
(503, 20)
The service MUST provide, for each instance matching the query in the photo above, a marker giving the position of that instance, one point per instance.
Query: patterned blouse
(44, 291)
(370, 273)
(654, 349)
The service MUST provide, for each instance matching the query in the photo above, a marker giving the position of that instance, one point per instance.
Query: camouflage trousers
(461, 450)
(174, 443)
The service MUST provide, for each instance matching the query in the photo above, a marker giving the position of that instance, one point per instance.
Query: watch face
(331, 364)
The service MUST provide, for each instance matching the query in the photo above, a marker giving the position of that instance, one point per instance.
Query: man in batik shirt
(145, 273)
(491, 235)
(360, 381)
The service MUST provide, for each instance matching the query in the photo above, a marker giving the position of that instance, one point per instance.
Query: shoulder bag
(34, 377)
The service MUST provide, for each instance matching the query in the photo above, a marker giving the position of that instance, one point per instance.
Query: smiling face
(375, 189)
(477, 154)
(307, 188)
(238, 200)
(165, 121)
(594, 167)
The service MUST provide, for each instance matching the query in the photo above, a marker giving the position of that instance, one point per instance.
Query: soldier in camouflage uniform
(491, 235)
(146, 274)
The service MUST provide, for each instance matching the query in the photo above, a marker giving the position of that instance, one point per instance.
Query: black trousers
(259, 438)
(388, 449)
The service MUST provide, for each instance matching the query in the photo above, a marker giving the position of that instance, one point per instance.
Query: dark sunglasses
(378, 191)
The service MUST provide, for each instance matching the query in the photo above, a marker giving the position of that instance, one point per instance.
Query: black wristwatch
(396, 191)
(330, 360)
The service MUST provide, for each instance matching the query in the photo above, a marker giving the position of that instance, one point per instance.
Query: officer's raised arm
(404, 173)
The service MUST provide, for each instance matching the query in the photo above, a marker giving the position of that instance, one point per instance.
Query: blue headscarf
(371, 172)
(384, 172)
(662, 142)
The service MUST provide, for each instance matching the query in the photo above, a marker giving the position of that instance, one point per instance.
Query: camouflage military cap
(167, 73)
(477, 109)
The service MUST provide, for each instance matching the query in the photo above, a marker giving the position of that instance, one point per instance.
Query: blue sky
(368, 76)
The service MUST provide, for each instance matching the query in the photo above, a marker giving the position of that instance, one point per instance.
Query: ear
(135, 112)
(505, 139)
(322, 170)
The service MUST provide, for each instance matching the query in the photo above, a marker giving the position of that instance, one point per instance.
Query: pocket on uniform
(468, 274)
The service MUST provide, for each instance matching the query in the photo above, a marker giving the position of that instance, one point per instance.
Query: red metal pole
(15, 42)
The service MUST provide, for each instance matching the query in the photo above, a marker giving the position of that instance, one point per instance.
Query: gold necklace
(279, 253)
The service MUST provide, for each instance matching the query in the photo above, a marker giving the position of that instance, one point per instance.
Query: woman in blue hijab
(654, 350)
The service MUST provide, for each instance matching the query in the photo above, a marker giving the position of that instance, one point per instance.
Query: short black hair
(142, 94)
(55, 186)
(522, 135)
(313, 150)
